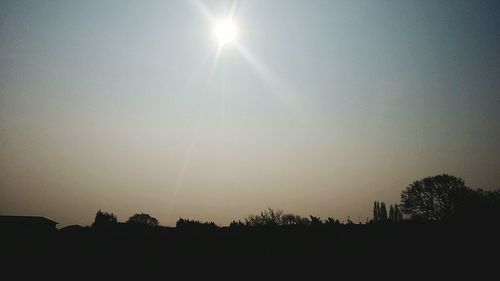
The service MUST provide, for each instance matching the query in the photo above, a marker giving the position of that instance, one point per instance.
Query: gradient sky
(321, 107)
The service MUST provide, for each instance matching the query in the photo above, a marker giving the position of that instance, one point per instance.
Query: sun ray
(278, 87)
(233, 10)
(216, 60)
(205, 11)
(185, 165)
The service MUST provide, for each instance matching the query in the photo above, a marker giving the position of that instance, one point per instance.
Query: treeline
(105, 219)
(269, 217)
(442, 198)
(277, 217)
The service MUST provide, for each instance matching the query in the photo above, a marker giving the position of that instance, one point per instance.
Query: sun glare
(225, 31)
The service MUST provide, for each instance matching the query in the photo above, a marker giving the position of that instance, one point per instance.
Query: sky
(318, 107)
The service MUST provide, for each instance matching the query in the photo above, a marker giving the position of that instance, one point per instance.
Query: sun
(225, 31)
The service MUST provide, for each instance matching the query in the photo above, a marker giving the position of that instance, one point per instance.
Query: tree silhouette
(268, 217)
(291, 219)
(478, 206)
(435, 198)
(395, 214)
(383, 212)
(376, 212)
(104, 219)
(379, 212)
(143, 219)
(398, 215)
(391, 214)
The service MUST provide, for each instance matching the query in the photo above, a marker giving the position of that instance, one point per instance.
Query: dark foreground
(378, 250)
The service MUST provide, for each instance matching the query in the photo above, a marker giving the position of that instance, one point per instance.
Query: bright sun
(225, 31)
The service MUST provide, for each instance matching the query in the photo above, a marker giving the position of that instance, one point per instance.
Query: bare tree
(434, 198)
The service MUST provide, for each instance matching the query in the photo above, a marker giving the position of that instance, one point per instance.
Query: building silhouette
(27, 224)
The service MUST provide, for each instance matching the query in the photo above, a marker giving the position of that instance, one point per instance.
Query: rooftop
(27, 219)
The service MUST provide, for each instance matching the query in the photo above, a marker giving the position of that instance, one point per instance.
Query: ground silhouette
(440, 226)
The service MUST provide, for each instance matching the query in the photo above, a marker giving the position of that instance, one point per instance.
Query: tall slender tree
(392, 217)
(376, 212)
(383, 212)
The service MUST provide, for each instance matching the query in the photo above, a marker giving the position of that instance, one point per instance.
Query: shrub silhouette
(103, 219)
(236, 224)
(268, 217)
(143, 219)
(276, 217)
(186, 224)
(332, 221)
(291, 219)
(315, 220)
(349, 221)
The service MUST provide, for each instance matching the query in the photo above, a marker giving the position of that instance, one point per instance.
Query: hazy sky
(319, 107)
